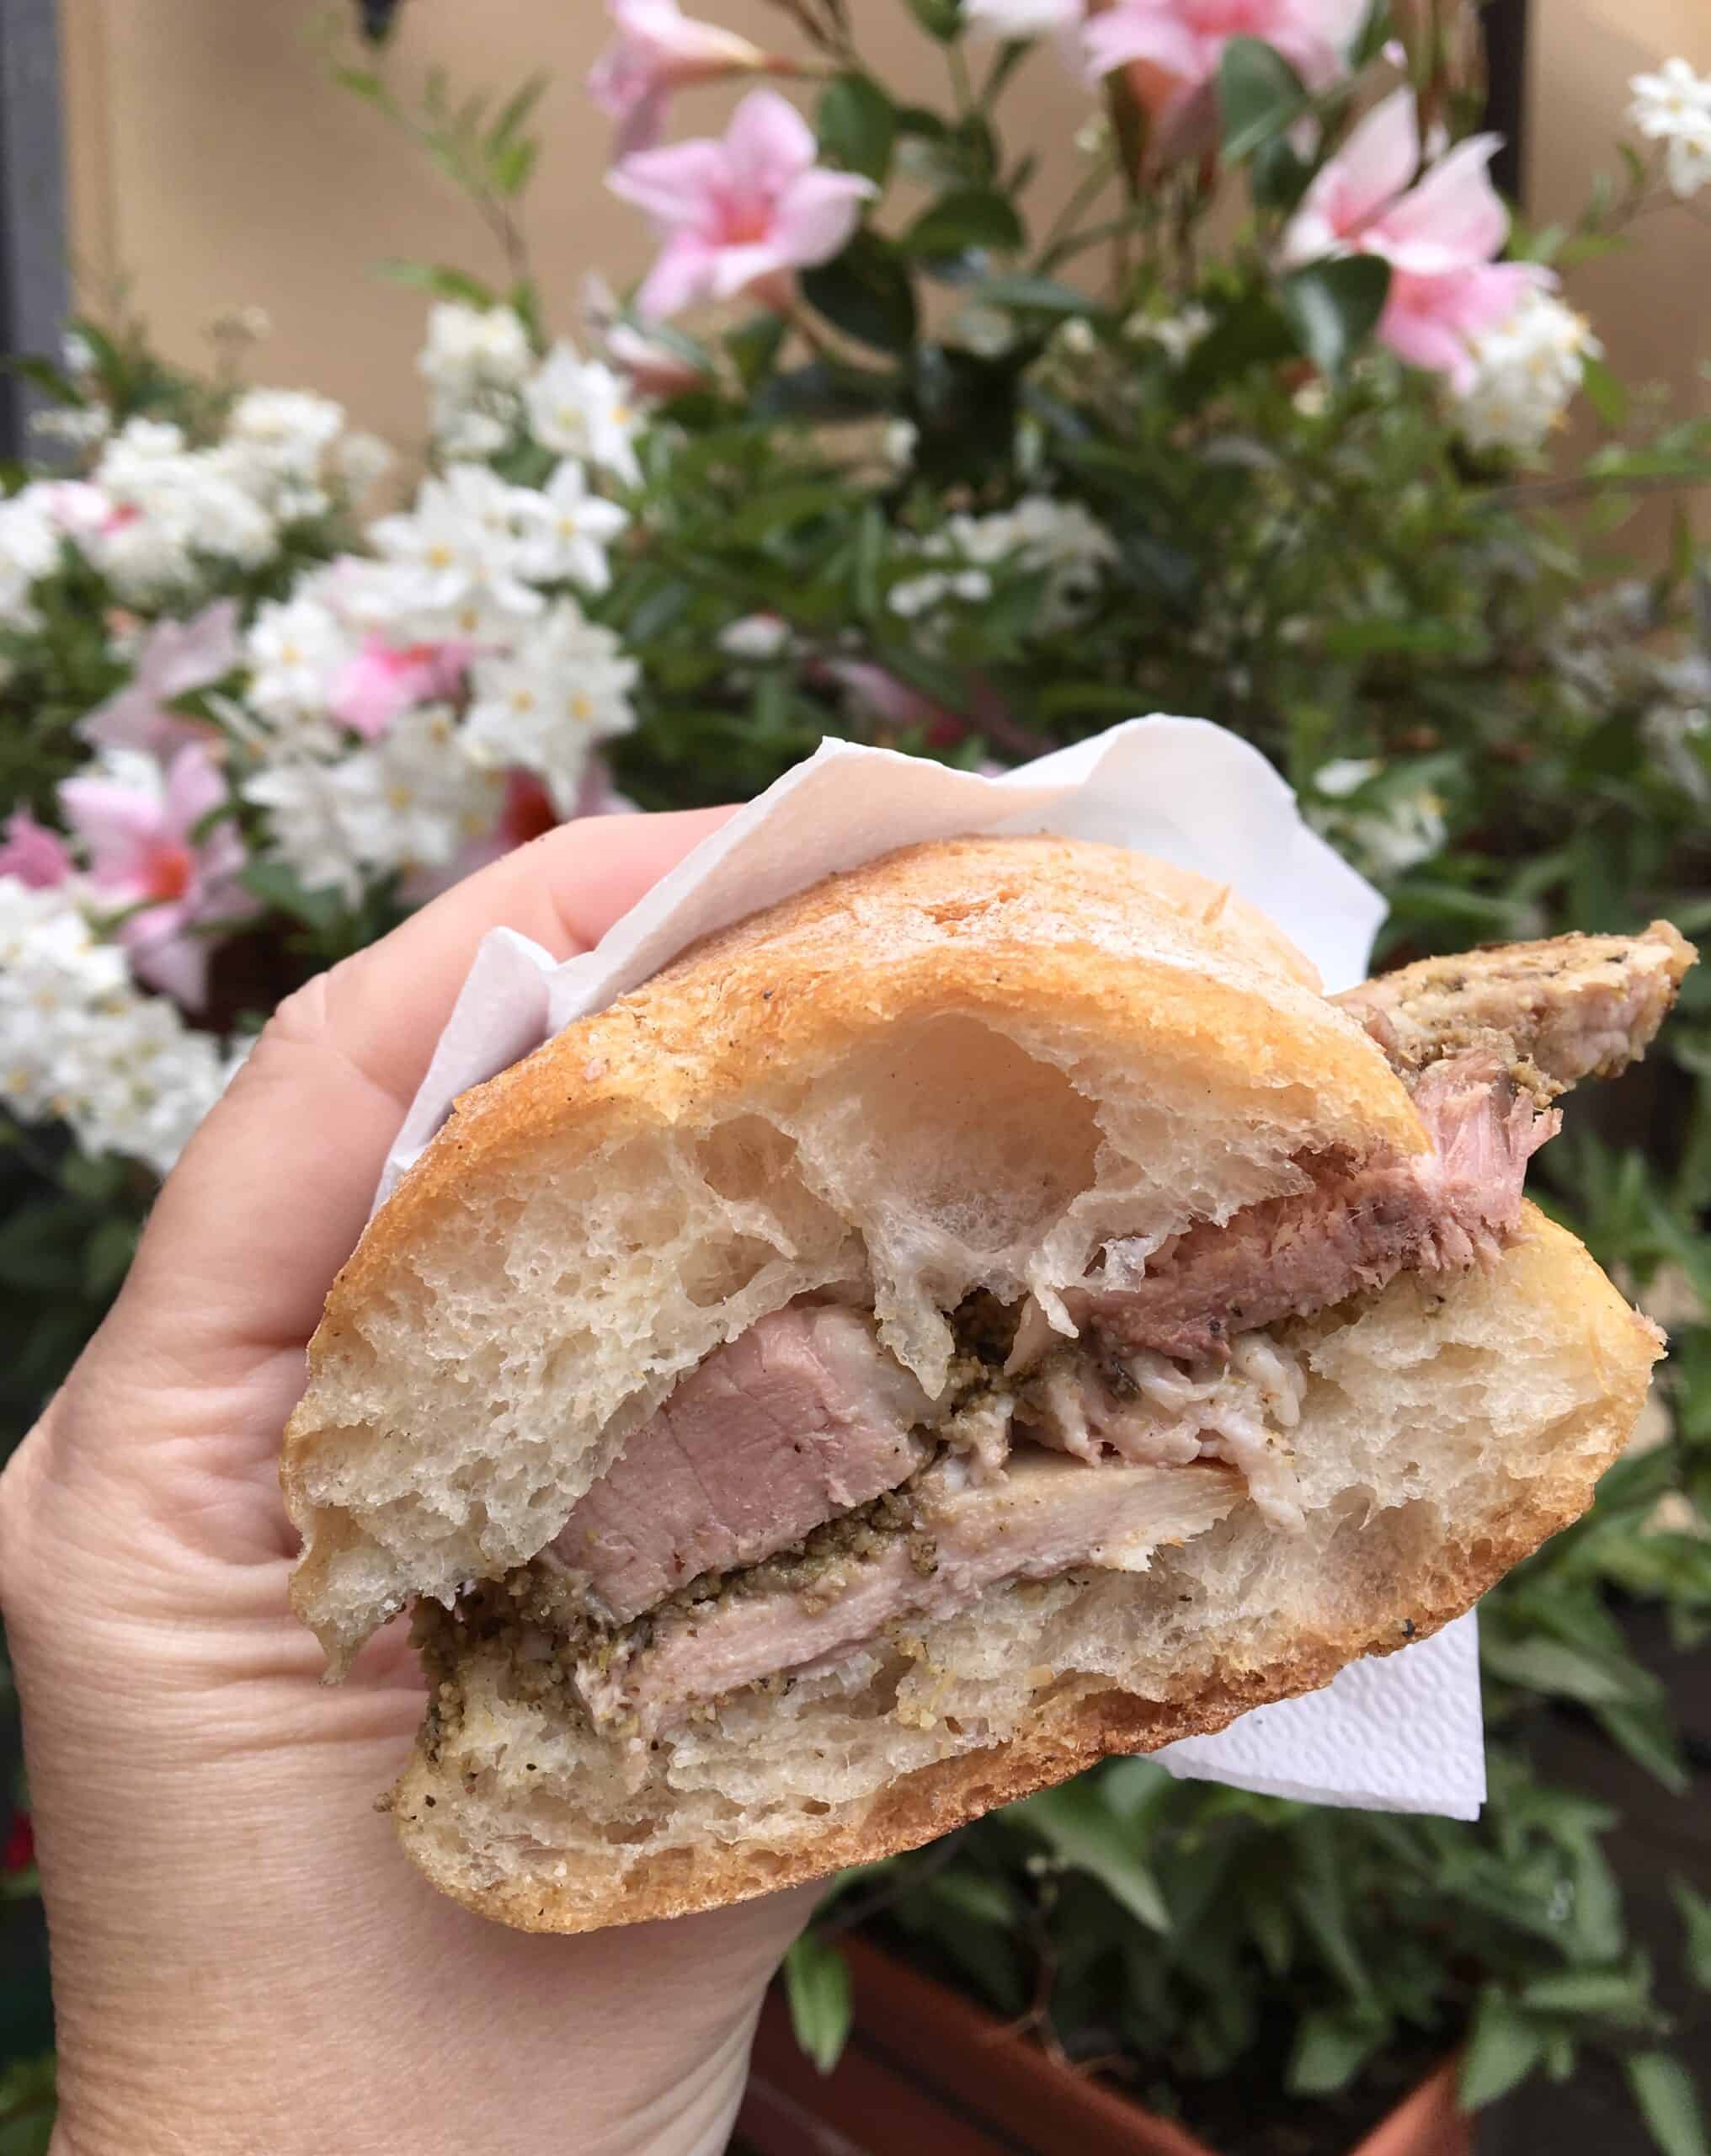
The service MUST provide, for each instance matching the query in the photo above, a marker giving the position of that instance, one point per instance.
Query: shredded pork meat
(1049, 1515)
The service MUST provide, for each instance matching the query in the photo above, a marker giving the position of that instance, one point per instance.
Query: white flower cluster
(408, 804)
(1175, 335)
(159, 517)
(30, 549)
(485, 384)
(1528, 369)
(79, 1043)
(474, 363)
(1673, 107)
(406, 713)
(545, 703)
(1394, 828)
(1678, 729)
(1059, 538)
(460, 585)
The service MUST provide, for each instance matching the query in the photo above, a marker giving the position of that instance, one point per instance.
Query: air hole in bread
(988, 1144)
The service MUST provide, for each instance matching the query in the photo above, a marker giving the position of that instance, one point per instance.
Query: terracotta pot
(924, 2070)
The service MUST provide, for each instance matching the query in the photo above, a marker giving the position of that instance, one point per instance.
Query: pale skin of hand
(242, 1959)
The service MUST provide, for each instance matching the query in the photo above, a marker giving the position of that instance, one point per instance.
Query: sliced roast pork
(802, 1417)
(1354, 1228)
(1483, 1040)
(1047, 1515)
(1573, 1007)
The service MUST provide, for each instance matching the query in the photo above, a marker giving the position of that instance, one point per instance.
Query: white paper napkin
(1402, 1733)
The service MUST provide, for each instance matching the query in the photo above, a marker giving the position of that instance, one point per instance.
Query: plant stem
(1008, 58)
(1062, 226)
(1585, 488)
(963, 88)
(892, 1888)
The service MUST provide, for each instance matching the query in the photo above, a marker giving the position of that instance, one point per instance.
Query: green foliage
(1346, 1936)
(27, 2106)
(816, 1984)
(1333, 308)
(1259, 96)
(857, 125)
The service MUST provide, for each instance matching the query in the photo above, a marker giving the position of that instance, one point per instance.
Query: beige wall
(214, 162)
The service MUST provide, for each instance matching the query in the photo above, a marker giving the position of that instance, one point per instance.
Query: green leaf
(1251, 334)
(1695, 1915)
(97, 1178)
(1259, 95)
(1605, 392)
(1034, 294)
(440, 279)
(939, 19)
(972, 1894)
(107, 1256)
(1543, 1664)
(1663, 2090)
(1502, 2051)
(54, 382)
(816, 1984)
(1334, 306)
(1277, 178)
(516, 110)
(1617, 1994)
(865, 292)
(511, 166)
(1078, 1825)
(1330, 2051)
(1643, 1730)
(1595, 1922)
(1417, 639)
(968, 216)
(275, 885)
(778, 508)
(821, 390)
(362, 82)
(857, 125)
(754, 344)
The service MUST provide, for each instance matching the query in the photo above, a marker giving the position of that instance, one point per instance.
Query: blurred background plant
(1256, 425)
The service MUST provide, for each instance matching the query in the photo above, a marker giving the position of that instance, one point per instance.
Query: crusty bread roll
(973, 1066)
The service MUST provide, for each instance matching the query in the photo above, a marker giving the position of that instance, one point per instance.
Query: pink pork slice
(1047, 1514)
(1455, 1206)
(796, 1420)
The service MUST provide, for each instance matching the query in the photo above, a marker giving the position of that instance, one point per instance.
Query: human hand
(242, 1959)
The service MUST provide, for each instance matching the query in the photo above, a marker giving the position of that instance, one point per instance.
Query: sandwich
(988, 1311)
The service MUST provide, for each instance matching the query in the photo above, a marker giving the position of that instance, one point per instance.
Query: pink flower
(76, 506)
(658, 50)
(736, 212)
(1184, 39)
(1438, 234)
(140, 827)
(174, 659)
(34, 854)
(369, 691)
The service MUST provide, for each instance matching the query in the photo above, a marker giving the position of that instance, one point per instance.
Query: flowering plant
(877, 447)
